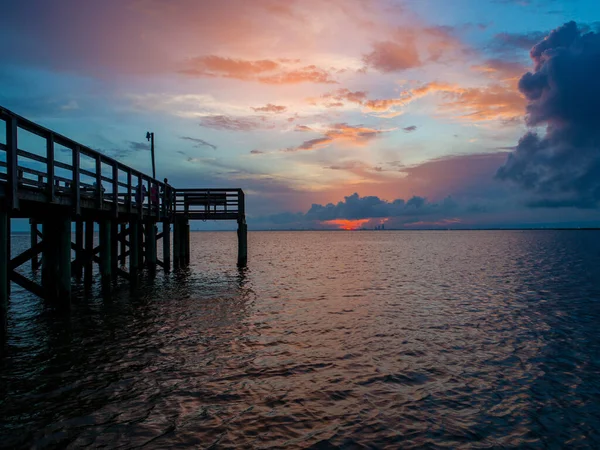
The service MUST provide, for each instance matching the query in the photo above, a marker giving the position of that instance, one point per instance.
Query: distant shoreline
(381, 231)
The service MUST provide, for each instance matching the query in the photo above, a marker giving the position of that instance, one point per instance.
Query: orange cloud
(493, 102)
(390, 56)
(282, 71)
(410, 47)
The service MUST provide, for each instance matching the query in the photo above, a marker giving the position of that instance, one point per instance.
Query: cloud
(269, 107)
(410, 129)
(390, 56)
(353, 134)
(302, 128)
(264, 71)
(509, 42)
(410, 47)
(199, 142)
(222, 122)
(561, 167)
(137, 146)
(492, 102)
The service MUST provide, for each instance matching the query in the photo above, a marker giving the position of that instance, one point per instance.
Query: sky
(329, 113)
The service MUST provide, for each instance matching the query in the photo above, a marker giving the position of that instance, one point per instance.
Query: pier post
(177, 243)
(105, 252)
(33, 229)
(141, 243)
(79, 253)
(186, 241)
(89, 254)
(114, 248)
(50, 233)
(167, 245)
(151, 245)
(242, 234)
(64, 259)
(122, 256)
(134, 248)
(4, 266)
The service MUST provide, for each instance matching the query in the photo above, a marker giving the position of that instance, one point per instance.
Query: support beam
(166, 241)
(242, 233)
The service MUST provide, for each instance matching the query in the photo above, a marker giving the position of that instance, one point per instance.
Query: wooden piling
(151, 245)
(167, 245)
(177, 243)
(134, 248)
(50, 232)
(64, 259)
(4, 262)
(79, 252)
(242, 233)
(4, 274)
(33, 238)
(141, 243)
(123, 246)
(186, 242)
(105, 252)
(114, 248)
(89, 254)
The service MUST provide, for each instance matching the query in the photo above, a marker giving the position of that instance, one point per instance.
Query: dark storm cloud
(561, 167)
(356, 207)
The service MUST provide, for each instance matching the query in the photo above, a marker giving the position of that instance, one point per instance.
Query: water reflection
(384, 339)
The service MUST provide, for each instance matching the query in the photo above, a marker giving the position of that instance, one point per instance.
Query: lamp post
(150, 137)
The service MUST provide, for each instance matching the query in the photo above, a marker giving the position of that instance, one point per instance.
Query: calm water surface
(327, 340)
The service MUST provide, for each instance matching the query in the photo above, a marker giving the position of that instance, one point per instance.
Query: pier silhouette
(94, 192)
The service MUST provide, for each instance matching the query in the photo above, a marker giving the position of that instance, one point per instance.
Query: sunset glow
(344, 224)
(307, 102)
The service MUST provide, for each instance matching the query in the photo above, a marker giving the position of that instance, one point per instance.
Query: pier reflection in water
(387, 339)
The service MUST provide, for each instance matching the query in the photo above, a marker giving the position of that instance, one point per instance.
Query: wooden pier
(69, 191)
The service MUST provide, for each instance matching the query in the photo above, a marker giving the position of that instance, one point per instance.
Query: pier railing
(39, 164)
(209, 204)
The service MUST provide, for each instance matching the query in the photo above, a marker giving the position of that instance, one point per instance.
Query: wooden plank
(26, 255)
(27, 284)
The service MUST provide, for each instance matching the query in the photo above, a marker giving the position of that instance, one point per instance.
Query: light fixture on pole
(150, 137)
